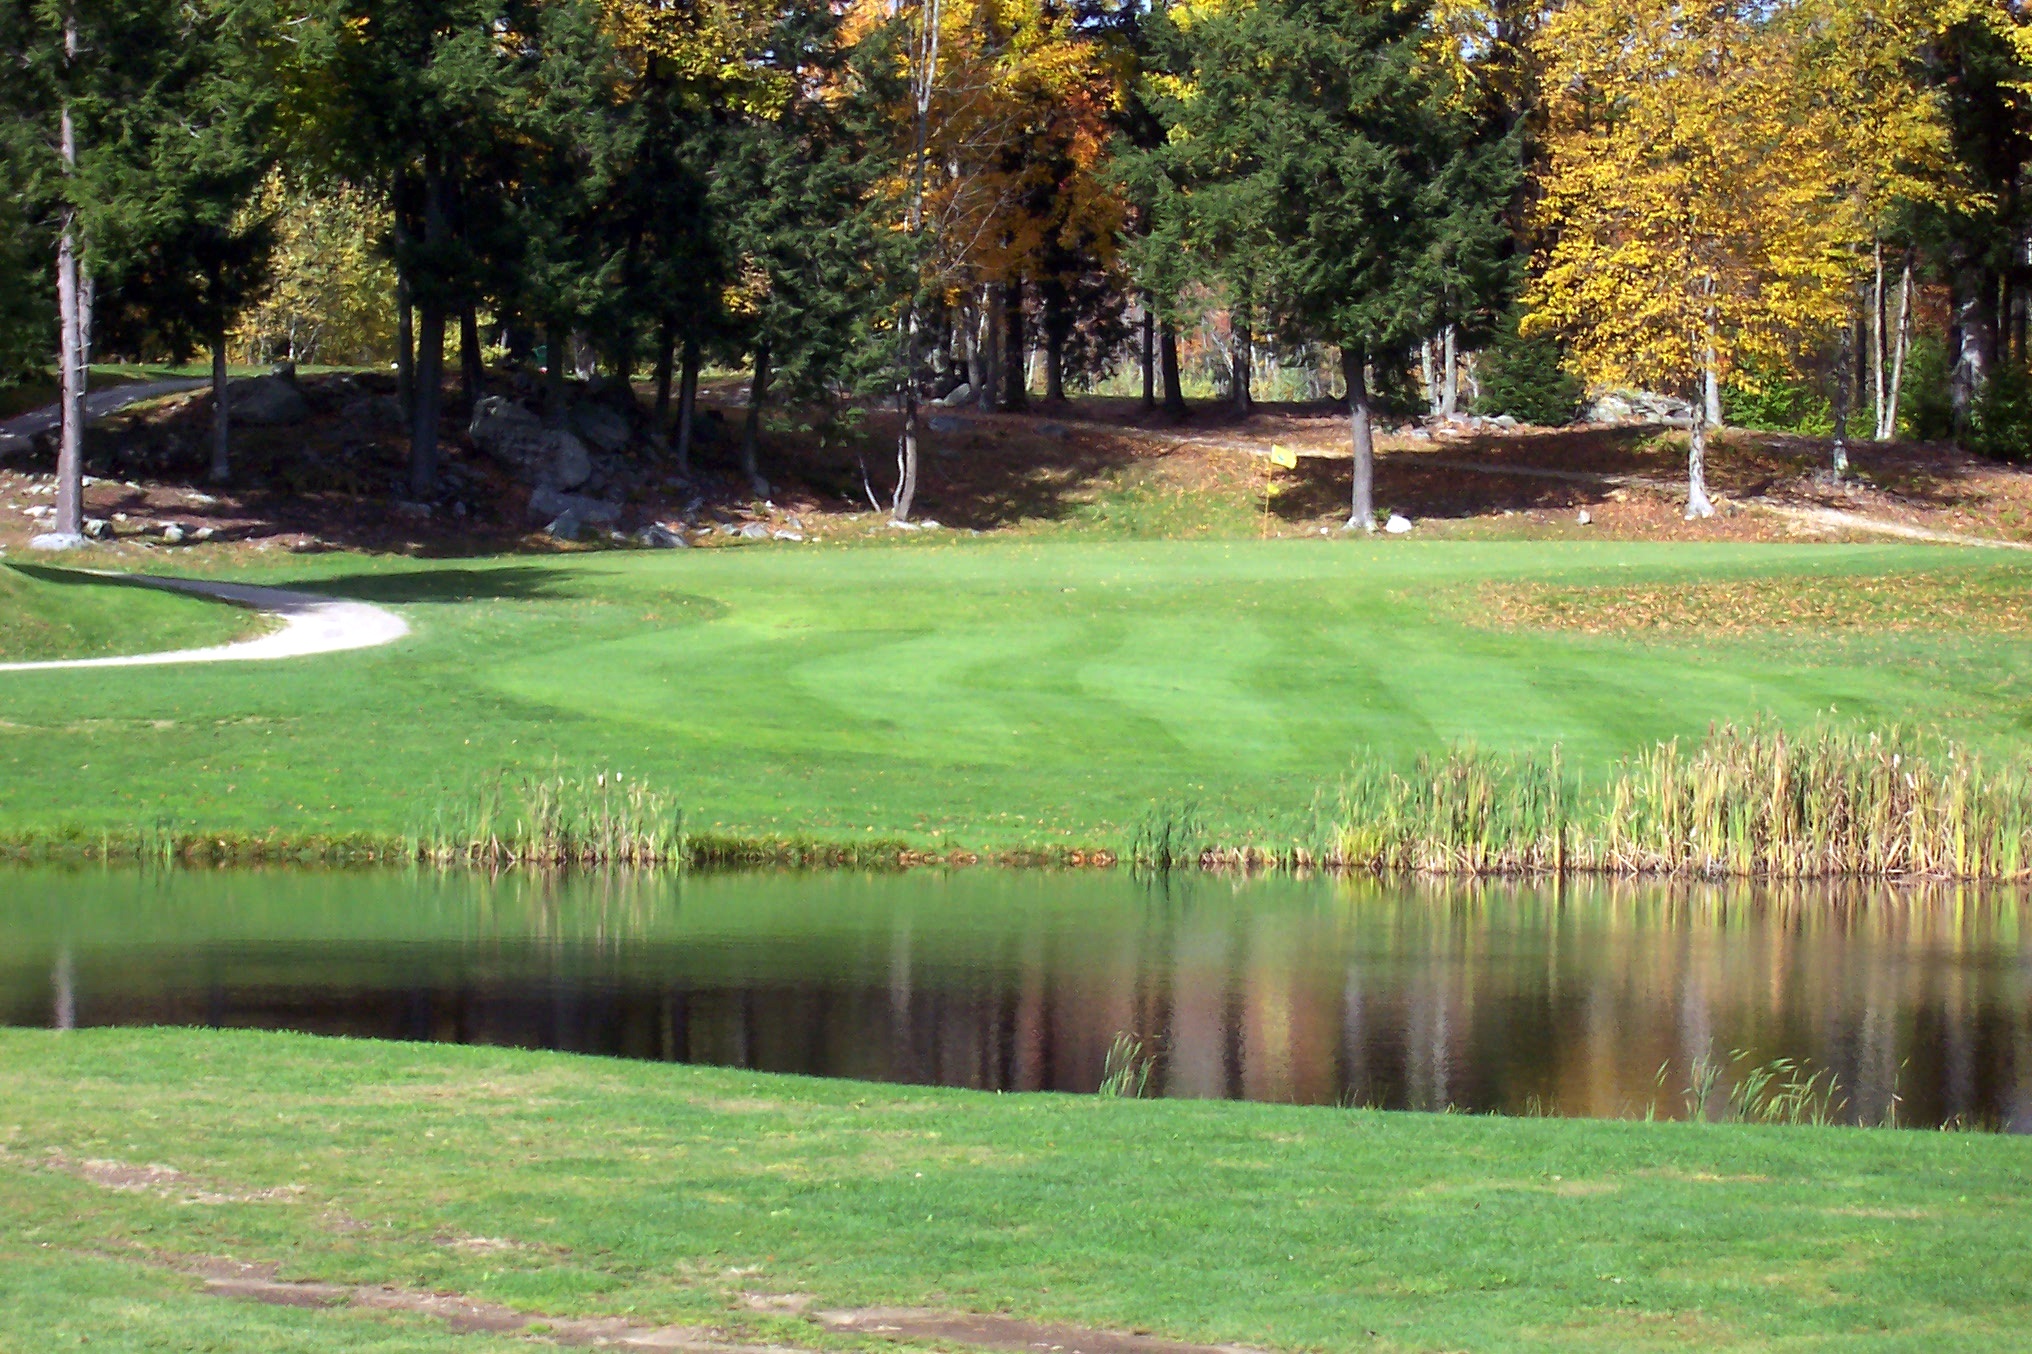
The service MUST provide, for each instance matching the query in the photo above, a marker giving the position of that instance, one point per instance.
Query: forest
(1804, 215)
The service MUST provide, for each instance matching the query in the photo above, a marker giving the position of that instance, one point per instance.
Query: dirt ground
(1100, 464)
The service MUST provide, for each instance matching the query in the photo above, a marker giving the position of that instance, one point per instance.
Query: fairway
(572, 1186)
(986, 695)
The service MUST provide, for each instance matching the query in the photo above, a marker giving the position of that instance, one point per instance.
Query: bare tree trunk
(472, 367)
(1887, 421)
(1015, 382)
(430, 337)
(1428, 377)
(556, 392)
(1167, 361)
(1449, 385)
(666, 352)
(687, 405)
(1362, 433)
(1697, 504)
(222, 412)
(906, 444)
(992, 323)
(1878, 337)
(405, 323)
(1241, 362)
(69, 527)
(751, 429)
(1149, 355)
(1972, 347)
(1711, 391)
(1841, 409)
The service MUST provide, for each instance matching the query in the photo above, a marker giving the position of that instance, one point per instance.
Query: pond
(1575, 999)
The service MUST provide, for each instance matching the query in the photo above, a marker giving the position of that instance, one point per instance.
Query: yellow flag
(1284, 456)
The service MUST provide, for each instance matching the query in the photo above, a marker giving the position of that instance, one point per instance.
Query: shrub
(1773, 400)
(1525, 378)
(1925, 396)
(2000, 422)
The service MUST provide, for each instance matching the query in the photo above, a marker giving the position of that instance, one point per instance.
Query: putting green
(969, 693)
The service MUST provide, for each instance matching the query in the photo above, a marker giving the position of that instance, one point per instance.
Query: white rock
(1585, 518)
(173, 534)
(97, 527)
(56, 540)
(1397, 525)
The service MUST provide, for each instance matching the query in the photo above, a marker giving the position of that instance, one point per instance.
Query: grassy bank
(56, 613)
(976, 696)
(570, 1186)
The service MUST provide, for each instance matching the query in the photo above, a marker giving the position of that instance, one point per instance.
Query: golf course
(986, 695)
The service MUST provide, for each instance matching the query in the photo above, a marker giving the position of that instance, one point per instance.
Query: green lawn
(58, 613)
(963, 693)
(566, 1185)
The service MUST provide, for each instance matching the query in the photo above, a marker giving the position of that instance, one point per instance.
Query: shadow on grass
(515, 582)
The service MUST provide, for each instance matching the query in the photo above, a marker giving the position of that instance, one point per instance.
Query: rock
(173, 534)
(1502, 421)
(754, 531)
(365, 415)
(1397, 525)
(97, 528)
(406, 508)
(1637, 406)
(203, 534)
(659, 537)
(1057, 432)
(266, 402)
(600, 426)
(945, 423)
(15, 444)
(786, 535)
(957, 396)
(564, 527)
(548, 502)
(1585, 518)
(517, 438)
(56, 540)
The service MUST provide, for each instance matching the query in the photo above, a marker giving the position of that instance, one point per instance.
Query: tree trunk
(1842, 364)
(1361, 428)
(751, 429)
(1428, 377)
(1711, 391)
(687, 405)
(1449, 380)
(69, 526)
(1015, 381)
(472, 368)
(1887, 421)
(990, 366)
(1054, 364)
(405, 326)
(1878, 338)
(430, 336)
(1241, 360)
(1149, 356)
(1697, 504)
(1971, 348)
(666, 349)
(222, 412)
(556, 391)
(1167, 361)
(906, 443)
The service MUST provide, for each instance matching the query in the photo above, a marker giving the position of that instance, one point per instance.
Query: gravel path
(311, 624)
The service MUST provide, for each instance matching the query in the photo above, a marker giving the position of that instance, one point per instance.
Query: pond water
(1512, 998)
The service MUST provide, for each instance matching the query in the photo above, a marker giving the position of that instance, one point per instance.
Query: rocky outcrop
(267, 402)
(549, 458)
(1636, 406)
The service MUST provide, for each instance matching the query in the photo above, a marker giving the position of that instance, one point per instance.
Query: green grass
(56, 613)
(958, 693)
(668, 1192)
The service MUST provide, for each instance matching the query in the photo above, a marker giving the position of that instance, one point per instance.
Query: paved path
(311, 624)
(98, 404)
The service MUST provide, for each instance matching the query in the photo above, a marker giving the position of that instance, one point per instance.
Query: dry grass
(1989, 601)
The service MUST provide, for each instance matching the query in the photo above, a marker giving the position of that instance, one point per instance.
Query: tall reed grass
(1753, 802)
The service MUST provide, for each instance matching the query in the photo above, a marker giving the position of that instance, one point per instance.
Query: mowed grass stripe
(985, 694)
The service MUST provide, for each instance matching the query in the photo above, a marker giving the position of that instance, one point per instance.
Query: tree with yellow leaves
(1691, 203)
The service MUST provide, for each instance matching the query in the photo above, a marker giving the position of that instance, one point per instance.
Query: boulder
(600, 426)
(945, 423)
(173, 534)
(15, 444)
(1397, 525)
(754, 531)
(564, 527)
(98, 528)
(365, 415)
(267, 402)
(1057, 432)
(957, 396)
(1637, 406)
(656, 536)
(56, 540)
(517, 438)
(548, 502)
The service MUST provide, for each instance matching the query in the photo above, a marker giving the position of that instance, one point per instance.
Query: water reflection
(1560, 999)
